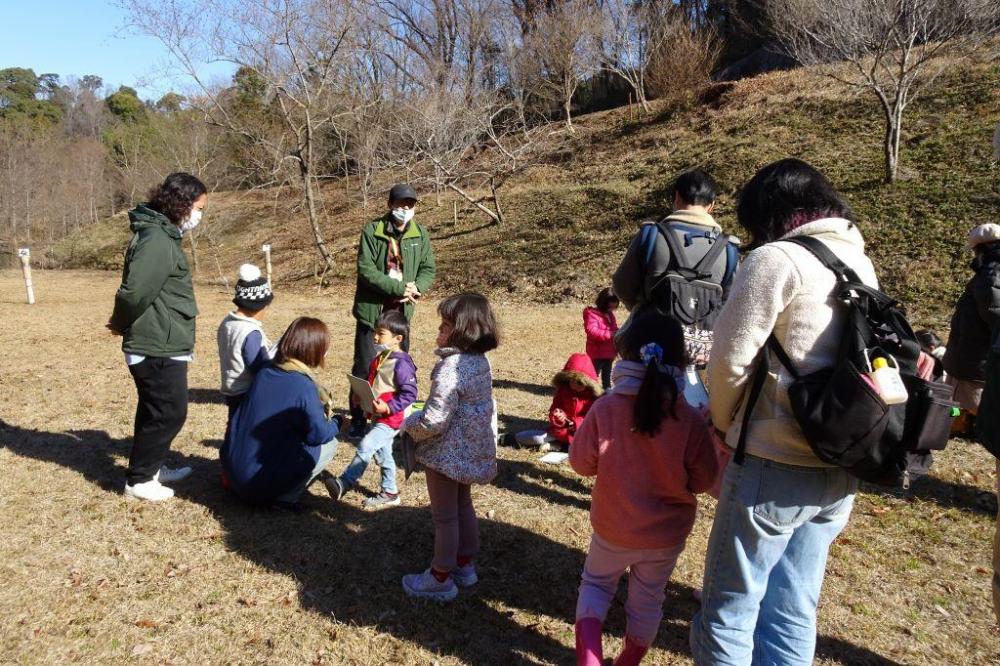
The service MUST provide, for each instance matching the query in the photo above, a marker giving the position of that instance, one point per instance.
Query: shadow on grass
(205, 396)
(534, 389)
(951, 495)
(544, 482)
(348, 563)
(464, 232)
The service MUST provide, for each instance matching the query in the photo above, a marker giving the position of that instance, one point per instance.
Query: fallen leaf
(146, 624)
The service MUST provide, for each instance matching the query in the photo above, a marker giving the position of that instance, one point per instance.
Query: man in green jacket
(395, 268)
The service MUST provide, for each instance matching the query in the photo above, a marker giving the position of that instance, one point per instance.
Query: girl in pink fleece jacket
(651, 453)
(600, 325)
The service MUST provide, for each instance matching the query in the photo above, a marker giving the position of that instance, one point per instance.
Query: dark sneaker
(335, 487)
(381, 501)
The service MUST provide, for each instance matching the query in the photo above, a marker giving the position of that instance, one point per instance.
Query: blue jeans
(376, 444)
(326, 452)
(765, 562)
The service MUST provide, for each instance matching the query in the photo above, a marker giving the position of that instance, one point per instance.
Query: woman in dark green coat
(155, 315)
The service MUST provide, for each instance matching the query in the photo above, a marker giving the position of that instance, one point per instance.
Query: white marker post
(25, 255)
(267, 261)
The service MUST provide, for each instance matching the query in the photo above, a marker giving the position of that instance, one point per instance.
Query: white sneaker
(151, 491)
(167, 475)
(426, 586)
(465, 576)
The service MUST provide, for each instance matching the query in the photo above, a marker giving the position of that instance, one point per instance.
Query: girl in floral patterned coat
(455, 436)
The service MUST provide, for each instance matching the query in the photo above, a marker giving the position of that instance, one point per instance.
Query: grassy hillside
(570, 217)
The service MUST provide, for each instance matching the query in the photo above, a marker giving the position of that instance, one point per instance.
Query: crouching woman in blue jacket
(282, 434)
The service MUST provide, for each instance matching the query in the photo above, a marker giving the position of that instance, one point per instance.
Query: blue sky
(77, 37)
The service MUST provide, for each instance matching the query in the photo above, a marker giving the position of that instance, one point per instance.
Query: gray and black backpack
(689, 290)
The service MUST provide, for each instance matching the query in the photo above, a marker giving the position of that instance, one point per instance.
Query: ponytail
(658, 387)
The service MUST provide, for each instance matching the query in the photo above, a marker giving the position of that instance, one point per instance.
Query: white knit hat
(984, 233)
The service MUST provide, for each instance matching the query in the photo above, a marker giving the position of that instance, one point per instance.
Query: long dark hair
(785, 195)
(474, 326)
(658, 393)
(175, 196)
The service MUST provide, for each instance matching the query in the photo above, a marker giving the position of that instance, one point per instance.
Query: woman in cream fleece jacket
(781, 509)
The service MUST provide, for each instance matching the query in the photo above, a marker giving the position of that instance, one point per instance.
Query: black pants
(603, 367)
(163, 399)
(364, 353)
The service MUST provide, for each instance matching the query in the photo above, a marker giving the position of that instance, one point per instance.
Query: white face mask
(402, 215)
(193, 221)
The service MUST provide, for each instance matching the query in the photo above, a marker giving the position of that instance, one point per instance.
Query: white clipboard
(364, 393)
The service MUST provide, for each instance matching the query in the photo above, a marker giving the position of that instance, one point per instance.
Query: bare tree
(464, 140)
(890, 48)
(298, 49)
(564, 44)
(633, 32)
(683, 59)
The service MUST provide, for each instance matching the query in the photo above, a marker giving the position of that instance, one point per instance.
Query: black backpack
(686, 290)
(843, 418)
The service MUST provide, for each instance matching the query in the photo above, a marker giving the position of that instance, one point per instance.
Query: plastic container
(694, 390)
(888, 382)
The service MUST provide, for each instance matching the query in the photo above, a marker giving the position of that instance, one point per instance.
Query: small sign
(266, 248)
(23, 252)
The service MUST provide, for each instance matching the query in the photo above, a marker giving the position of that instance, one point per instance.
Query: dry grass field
(90, 577)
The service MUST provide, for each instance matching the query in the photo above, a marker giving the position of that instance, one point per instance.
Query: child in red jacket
(600, 325)
(576, 390)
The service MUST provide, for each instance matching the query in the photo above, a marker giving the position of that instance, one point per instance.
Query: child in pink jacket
(651, 453)
(600, 325)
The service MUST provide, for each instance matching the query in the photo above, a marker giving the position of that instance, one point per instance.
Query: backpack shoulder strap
(719, 246)
(826, 257)
(759, 377)
(647, 241)
(732, 262)
(676, 252)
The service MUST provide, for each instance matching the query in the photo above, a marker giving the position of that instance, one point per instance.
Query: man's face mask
(402, 215)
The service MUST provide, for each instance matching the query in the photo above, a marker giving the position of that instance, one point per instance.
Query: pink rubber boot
(588, 642)
(632, 653)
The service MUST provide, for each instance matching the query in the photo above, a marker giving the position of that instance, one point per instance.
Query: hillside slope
(570, 216)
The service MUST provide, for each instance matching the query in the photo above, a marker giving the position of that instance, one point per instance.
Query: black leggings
(163, 400)
(603, 367)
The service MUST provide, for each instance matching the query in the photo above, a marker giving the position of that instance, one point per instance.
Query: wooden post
(25, 255)
(267, 261)
(454, 212)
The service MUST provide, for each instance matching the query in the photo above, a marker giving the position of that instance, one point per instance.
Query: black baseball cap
(402, 191)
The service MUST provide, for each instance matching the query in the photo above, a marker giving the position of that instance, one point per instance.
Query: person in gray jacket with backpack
(682, 264)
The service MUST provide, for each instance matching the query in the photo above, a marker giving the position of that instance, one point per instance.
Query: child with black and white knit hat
(243, 346)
